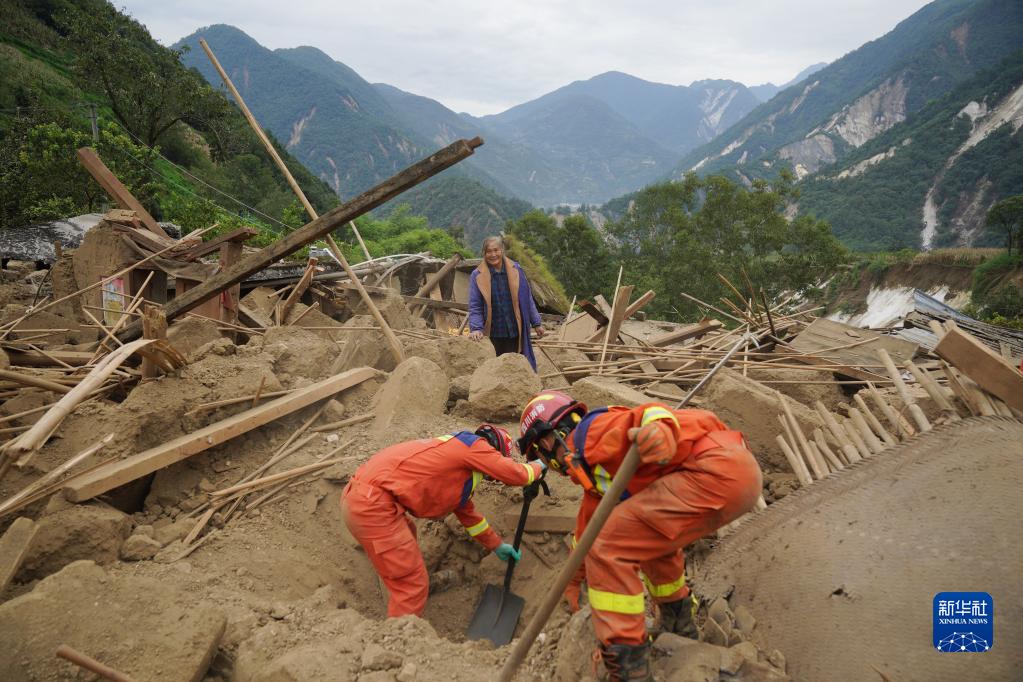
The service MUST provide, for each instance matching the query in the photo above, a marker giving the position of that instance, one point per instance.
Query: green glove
(506, 551)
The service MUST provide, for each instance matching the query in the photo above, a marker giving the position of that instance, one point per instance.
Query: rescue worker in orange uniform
(428, 478)
(695, 476)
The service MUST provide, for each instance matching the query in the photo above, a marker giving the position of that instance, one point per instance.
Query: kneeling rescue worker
(695, 476)
(427, 478)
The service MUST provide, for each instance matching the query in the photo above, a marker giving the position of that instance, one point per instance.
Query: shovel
(497, 614)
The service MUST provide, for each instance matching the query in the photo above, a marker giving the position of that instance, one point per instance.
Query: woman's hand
(476, 335)
(539, 331)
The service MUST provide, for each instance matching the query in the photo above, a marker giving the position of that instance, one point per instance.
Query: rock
(572, 657)
(377, 676)
(90, 531)
(744, 620)
(408, 672)
(715, 633)
(24, 401)
(463, 356)
(139, 548)
(363, 348)
(731, 661)
(416, 388)
(747, 650)
(299, 352)
(566, 357)
(720, 612)
(189, 334)
(777, 659)
(170, 532)
(696, 662)
(426, 348)
(670, 643)
(444, 580)
(760, 672)
(139, 626)
(375, 657)
(390, 304)
(600, 391)
(460, 388)
(501, 387)
(335, 411)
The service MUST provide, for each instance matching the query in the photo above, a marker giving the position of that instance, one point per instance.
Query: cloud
(484, 57)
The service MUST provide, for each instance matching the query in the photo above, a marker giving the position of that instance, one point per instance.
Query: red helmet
(544, 413)
(498, 438)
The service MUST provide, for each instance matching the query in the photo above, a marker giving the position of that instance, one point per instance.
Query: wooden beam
(154, 326)
(622, 296)
(317, 229)
(14, 545)
(297, 290)
(143, 238)
(594, 312)
(253, 317)
(989, 370)
(693, 331)
(119, 193)
(116, 474)
(242, 234)
(22, 357)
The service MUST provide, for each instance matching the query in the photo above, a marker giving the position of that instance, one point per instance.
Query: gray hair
(488, 240)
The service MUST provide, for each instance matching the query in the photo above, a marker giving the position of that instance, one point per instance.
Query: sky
(484, 57)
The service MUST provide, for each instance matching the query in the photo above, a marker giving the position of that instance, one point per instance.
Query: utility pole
(95, 123)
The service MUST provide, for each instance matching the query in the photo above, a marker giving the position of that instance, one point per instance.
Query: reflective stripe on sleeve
(665, 589)
(631, 604)
(530, 473)
(652, 414)
(480, 527)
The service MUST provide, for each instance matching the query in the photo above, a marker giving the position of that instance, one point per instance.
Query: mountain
(675, 117)
(768, 90)
(930, 180)
(866, 92)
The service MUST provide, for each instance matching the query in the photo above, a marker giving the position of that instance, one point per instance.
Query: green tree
(679, 236)
(1006, 216)
(574, 252)
(147, 87)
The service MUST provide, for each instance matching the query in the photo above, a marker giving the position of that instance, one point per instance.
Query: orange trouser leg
(389, 538)
(648, 530)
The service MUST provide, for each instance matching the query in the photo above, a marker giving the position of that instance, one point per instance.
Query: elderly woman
(501, 303)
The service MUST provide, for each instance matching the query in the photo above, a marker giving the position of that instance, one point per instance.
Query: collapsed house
(181, 417)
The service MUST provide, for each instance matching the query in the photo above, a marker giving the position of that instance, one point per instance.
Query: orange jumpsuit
(712, 480)
(427, 478)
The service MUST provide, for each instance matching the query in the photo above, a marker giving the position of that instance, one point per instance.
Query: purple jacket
(479, 304)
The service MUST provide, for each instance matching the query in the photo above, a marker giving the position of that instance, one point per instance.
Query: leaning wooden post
(297, 291)
(907, 398)
(434, 280)
(154, 326)
(392, 340)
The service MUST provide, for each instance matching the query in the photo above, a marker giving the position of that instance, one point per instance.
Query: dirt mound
(501, 387)
(363, 347)
(390, 304)
(751, 407)
(298, 353)
(599, 391)
(826, 390)
(36, 327)
(888, 530)
(417, 388)
(189, 334)
(134, 625)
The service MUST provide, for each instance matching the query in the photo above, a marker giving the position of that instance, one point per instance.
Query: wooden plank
(21, 357)
(127, 470)
(435, 279)
(618, 312)
(14, 545)
(253, 317)
(594, 312)
(237, 236)
(316, 229)
(540, 523)
(119, 193)
(146, 240)
(635, 306)
(823, 335)
(579, 328)
(693, 331)
(989, 370)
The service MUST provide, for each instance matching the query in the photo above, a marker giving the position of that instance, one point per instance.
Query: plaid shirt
(503, 325)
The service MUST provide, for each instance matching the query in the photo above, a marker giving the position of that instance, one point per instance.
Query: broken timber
(14, 545)
(116, 474)
(317, 229)
(990, 371)
(118, 192)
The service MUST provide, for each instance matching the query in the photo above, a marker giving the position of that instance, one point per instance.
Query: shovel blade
(496, 616)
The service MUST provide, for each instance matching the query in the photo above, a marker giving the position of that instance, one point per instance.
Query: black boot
(627, 662)
(680, 617)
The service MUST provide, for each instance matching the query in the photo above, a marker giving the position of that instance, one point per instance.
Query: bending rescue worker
(428, 478)
(695, 476)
